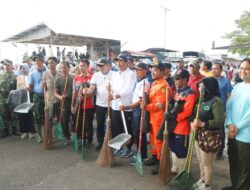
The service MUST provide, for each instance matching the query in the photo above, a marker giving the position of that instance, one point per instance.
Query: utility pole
(165, 23)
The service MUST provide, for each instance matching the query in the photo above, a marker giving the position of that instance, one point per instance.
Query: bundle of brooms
(106, 157)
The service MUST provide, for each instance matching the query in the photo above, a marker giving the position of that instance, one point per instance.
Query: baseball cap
(159, 66)
(122, 57)
(180, 61)
(103, 61)
(141, 66)
(38, 56)
(181, 73)
(194, 63)
(6, 61)
(167, 65)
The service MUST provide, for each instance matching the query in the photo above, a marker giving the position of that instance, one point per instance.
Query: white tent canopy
(42, 34)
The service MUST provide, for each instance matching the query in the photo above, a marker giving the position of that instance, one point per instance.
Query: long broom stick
(75, 144)
(164, 169)
(83, 122)
(47, 142)
(106, 157)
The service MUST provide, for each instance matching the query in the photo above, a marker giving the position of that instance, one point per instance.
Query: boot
(155, 170)
(151, 161)
(174, 168)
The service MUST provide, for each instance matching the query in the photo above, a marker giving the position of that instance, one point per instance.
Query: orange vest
(157, 101)
(183, 126)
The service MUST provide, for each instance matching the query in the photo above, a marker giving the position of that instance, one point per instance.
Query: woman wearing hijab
(211, 119)
(25, 119)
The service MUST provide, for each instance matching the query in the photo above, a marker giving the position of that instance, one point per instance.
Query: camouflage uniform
(35, 80)
(7, 83)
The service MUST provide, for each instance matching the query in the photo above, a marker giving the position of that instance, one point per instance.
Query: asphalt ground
(26, 165)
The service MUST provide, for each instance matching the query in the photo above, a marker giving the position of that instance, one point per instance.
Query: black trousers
(88, 125)
(66, 118)
(101, 113)
(117, 126)
(238, 155)
(26, 122)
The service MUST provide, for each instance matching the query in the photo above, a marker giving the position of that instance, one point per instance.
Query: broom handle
(109, 93)
(84, 114)
(166, 110)
(78, 108)
(124, 122)
(64, 92)
(191, 145)
(141, 119)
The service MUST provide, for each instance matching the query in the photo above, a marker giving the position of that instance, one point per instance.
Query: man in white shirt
(142, 86)
(122, 86)
(99, 83)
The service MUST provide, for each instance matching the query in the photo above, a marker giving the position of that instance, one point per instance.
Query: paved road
(25, 165)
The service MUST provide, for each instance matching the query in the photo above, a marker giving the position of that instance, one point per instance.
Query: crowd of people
(145, 86)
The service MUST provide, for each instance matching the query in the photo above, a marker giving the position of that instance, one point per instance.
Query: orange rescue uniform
(156, 109)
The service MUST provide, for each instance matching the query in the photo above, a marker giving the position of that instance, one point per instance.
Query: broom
(164, 169)
(138, 161)
(106, 157)
(75, 146)
(83, 124)
(47, 142)
(58, 130)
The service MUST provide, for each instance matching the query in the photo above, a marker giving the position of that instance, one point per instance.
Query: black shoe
(155, 170)
(98, 147)
(228, 188)
(150, 161)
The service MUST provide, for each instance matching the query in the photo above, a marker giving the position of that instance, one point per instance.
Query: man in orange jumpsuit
(156, 109)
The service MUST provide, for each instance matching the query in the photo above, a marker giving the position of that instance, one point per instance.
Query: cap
(159, 66)
(181, 73)
(103, 61)
(141, 66)
(122, 57)
(167, 65)
(7, 61)
(180, 61)
(38, 56)
(194, 63)
(26, 58)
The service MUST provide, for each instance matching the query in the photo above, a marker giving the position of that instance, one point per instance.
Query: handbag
(209, 140)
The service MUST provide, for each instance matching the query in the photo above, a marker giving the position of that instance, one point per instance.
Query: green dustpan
(138, 164)
(59, 132)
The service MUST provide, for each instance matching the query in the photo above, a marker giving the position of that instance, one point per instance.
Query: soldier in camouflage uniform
(7, 83)
(36, 86)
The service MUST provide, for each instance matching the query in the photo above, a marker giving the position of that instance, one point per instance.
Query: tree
(241, 36)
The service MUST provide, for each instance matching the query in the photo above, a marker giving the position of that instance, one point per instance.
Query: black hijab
(211, 86)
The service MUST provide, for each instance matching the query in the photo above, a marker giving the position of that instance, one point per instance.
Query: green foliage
(241, 36)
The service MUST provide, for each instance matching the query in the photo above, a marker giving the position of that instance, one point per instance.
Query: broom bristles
(106, 157)
(164, 169)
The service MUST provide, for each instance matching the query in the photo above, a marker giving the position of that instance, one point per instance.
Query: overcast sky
(190, 24)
